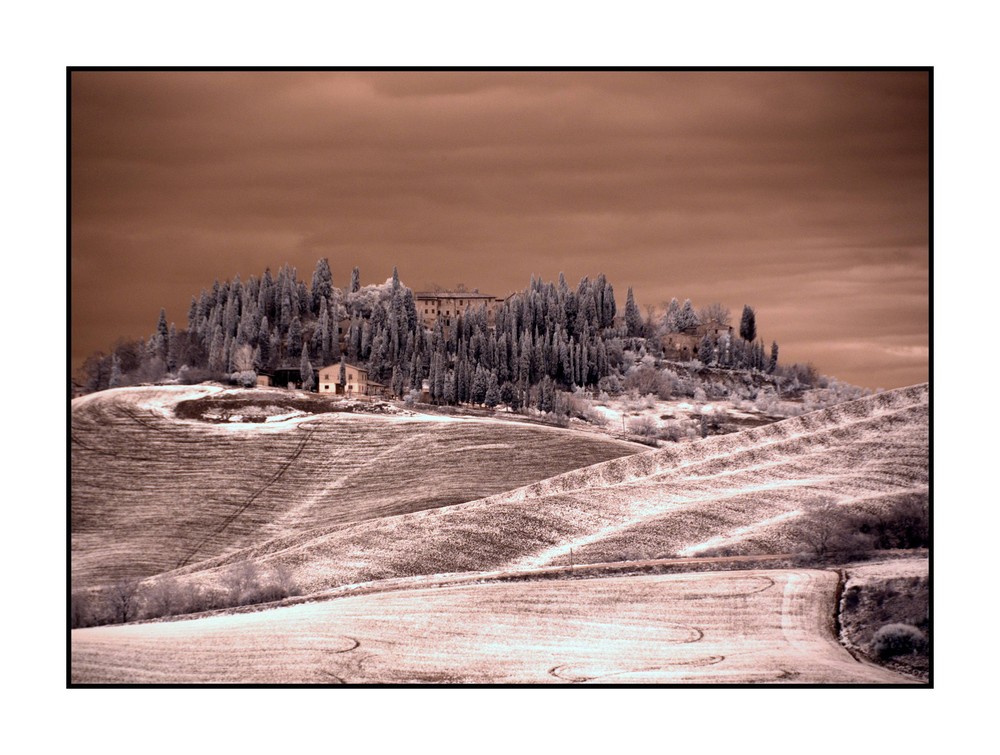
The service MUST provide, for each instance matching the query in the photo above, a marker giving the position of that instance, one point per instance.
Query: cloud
(805, 194)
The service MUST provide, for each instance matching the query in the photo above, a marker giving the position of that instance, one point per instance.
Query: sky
(802, 194)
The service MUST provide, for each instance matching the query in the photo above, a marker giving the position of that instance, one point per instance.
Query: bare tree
(81, 610)
(715, 313)
(163, 598)
(241, 581)
(124, 600)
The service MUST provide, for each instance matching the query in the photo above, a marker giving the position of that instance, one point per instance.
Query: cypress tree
(492, 391)
(773, 363)
(295, 337)
(507, 394)
(748, 324)
(264, 342)
(397, 381)
(306, 370)
(322, 284)
(172, 349)
(479, 386)
(162, 332)
(706, 350)
(633, 320)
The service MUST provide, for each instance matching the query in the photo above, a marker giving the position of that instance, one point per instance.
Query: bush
(609, 384)
(644, 426)
(672, 431)
(898, 639)
(642, 380)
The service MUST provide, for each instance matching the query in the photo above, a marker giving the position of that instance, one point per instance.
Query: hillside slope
(752, 484)
(741, 628)
(151, 492)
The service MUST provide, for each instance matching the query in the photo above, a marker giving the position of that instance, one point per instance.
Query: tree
(479, 386)
(322, 284)
(306, 370)
(295, 337)
(163, 598)
(342, 378)
(773, 363)
(706, 349)
(748, 324)
(242, 581)
(508, 392)
(397, 381)
(355, 280)
(670, 317)
(633, 318)
(116, 372)
(492, 391)
(715, 313)
(163, 333)
(687, 318)
(124, 600)
(172, 349)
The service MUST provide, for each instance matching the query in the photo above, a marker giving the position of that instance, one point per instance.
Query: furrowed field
(746, 627)
(385, 505)
(151, 493)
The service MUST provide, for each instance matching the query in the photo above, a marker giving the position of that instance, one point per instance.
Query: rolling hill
(769, 627)
(746, 487)
(365, 505)
(151, 492)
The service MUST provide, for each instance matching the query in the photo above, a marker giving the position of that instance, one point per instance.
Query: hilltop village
(453, 346)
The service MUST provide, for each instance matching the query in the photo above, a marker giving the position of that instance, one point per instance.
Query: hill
(152, 492)
(747, 627)
(752, 487)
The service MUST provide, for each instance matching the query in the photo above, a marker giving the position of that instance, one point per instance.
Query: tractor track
(250, 500)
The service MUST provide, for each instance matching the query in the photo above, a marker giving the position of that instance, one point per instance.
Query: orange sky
(803, 194)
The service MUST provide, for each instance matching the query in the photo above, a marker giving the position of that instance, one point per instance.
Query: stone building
(446, 306)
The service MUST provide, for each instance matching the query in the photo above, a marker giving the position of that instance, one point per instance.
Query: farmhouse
(356, 382)
(448, 305)
(684, 346)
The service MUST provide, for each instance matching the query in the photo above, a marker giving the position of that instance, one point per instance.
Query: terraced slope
(746, 485)
(746, 627)
(151, 493)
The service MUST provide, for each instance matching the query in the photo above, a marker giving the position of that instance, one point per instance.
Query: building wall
(357, 380)
(447, 306)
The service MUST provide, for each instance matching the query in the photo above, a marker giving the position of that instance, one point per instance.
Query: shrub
(609, 384)
(644, 426)
(898, 639)
(672, 431)
(643, 379)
